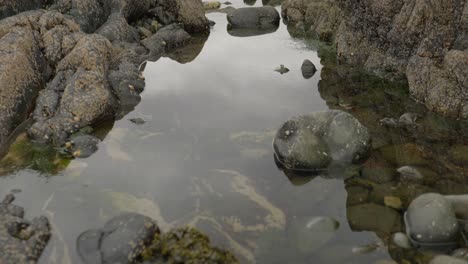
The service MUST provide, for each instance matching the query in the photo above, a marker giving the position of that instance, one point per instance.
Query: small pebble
(401, 240)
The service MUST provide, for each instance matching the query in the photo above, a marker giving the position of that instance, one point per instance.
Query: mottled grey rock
(121, 240)
(312, 142)
(430, 218)
(84, 146)
(254, 17)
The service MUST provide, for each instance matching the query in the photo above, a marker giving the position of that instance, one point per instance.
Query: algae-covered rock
(378, 171)
(186, 245)
(373, 217)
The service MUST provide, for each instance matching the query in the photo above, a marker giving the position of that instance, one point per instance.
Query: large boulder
(430, 218)
(254, 17)
(21, 73)
(313, 142)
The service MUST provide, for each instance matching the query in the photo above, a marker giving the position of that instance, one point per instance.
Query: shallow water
(204, 157)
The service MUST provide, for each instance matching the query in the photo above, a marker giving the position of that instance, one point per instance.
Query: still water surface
(204, 156)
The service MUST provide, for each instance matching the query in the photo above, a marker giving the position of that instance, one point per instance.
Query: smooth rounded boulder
(121, 240)
(430, 218)
(254, 17)
(315, 141)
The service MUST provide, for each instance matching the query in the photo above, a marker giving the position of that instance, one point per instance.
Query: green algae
(185, 245)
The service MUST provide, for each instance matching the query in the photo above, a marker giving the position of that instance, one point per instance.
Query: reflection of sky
(192, 109)
(233, 77)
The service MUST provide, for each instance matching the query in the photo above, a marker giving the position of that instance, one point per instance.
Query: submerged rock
(21, 241)
(373, 217)
(366, 249)
(430, 218)
(13, 7)
(401, 240)
(254, 17)
(443, 259)
(308, 69)
(83, 146)
(410, 173)
(121, 240)
(314, 232)
(312, 142)
(138, 120)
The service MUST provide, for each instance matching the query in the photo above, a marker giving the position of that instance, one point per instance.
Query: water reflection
(272, 2)
(190, 51)
(250, 32)
(250, 2)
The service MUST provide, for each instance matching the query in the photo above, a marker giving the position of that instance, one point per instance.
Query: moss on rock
(185, 245)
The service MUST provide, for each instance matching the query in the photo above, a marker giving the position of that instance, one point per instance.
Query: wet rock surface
(81, 79)
(313, 142)
(426, 43)
(254, 17)
(121, 240)
(21, 241)
(185, 245)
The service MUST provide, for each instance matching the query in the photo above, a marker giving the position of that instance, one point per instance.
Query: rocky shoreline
(77, 63)
(425, 43)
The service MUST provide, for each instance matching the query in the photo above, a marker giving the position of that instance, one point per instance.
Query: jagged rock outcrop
(78, 63)
(421, 40)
